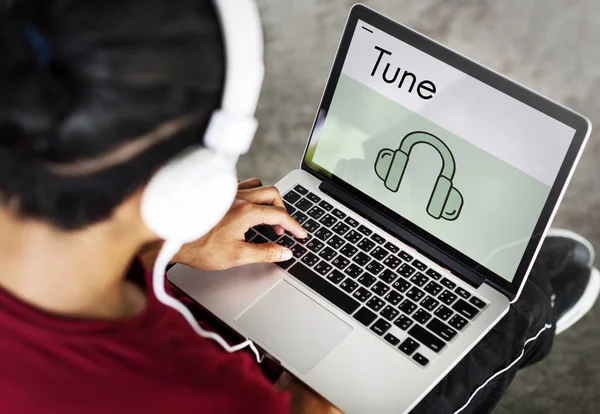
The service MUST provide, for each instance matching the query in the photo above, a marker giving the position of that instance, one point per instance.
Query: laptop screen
(456, 157)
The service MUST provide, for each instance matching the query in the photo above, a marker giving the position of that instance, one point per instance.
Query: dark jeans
(498, 350)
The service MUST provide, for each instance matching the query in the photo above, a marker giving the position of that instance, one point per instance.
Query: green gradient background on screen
(501, 203)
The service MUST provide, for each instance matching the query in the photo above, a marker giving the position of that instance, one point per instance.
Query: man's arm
(303, 399)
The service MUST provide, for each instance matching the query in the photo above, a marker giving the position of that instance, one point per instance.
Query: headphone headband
(420, 137)
(232, 128)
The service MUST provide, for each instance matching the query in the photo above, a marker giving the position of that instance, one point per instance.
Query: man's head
(127, 86)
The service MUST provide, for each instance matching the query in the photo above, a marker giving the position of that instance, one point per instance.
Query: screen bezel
(489, 77)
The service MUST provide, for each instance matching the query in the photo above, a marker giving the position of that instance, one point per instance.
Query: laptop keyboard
(375, 281)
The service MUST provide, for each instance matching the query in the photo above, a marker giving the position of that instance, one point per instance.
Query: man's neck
(78, 274)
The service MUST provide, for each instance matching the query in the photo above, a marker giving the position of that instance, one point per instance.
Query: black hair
(117, 70)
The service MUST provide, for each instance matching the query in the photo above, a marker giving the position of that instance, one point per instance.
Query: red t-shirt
(151, 364)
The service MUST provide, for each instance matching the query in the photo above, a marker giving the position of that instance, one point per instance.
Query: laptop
(427, 186)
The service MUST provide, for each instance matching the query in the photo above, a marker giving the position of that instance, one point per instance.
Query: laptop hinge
(396, 229)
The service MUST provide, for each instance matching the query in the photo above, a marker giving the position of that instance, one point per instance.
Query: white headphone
(193, 192)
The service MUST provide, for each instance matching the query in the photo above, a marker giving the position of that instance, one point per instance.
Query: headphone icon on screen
(445, 201)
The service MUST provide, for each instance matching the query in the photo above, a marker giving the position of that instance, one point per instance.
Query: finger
(249, 183)
(263, 253)
(264, 195)
(254, 215)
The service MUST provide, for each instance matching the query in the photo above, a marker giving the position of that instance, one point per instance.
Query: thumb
(263, 253)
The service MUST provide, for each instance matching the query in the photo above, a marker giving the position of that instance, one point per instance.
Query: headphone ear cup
(188, 196)
(390, 166)
(436, 204)
(453, 205)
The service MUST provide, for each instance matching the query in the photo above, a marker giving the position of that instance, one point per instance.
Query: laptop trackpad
(295, 328)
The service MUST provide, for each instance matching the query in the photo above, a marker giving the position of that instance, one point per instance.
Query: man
(79, 332)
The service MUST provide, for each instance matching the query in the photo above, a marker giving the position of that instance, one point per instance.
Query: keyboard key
(315, 245)
(301, 189)
(340, 228)
(406, 348)
(348, 250)
(336, 277)
(449, 284)
(375, 303)
(392, 248)
(304, 240)
(351, 222)
(353, 236)
(299, 217)
(353, 271)
(406, 270)
(477, 302)
(316, 212)
(377, 238)
(286, 242)
(258, 239)
(392, 262)
(421, 316)
(323, 268)
(388, 276)
(433, 274)
(325, 205)
(381, 326)
(433, 288)
(268, 232)
(340, 262)
(292, 197)
(303, 204)
(403, 322)
(401, 285)
(379, 253)
(389, 313)
(462, 293)
(365, 316)
(458, 322)
(310, 259)
(310, 225)
(288, 207)
(366, 245)
(298, 251)
(286, 264)
(336, 242)
(323, 233)
(441, 329)
(407, 307)
(324, 288)
(393, 297)
(362, 294)
(415, 294)
(365, 230)
(419, 265)
(429, 303)
(339, 214)
(421, 360)
(465, 309)
(361, 259)
(327, 254)
(405, 256)
(374, 267)
(313, 197)
(419, 279)
(366, 280)
(349, 285)
(391, 339)
(447, 297)
(443, 313)
(327, 220)
(380, 288)
(249, 235)
(426, 338)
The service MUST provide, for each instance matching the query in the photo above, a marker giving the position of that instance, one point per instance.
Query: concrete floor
(548, 45)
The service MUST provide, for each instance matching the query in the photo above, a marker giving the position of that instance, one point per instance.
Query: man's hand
(224, 246)
(303, 399)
